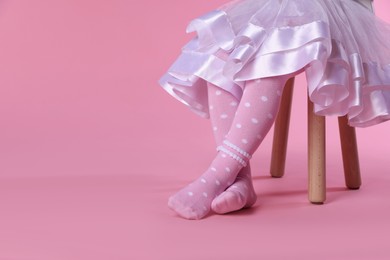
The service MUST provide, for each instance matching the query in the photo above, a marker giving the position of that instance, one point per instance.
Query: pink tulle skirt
(341, 46)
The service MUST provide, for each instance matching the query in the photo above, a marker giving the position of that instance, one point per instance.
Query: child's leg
(223, 107)
(241, 194)
(255, 115)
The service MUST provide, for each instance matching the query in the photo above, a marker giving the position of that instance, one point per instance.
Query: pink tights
(239, 128)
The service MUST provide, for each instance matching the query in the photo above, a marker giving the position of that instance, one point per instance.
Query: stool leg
(350, 154)
(282, 123)
(316, 156)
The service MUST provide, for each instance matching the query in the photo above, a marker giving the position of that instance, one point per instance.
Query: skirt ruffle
(342, 47)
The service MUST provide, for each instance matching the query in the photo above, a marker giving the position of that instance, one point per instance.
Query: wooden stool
(316, 148)
(316, 144)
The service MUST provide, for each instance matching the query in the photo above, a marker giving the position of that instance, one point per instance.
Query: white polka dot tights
(241, 194)
(239, 128)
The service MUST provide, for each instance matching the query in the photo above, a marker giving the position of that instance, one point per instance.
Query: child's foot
(238, 196)
(194, 201)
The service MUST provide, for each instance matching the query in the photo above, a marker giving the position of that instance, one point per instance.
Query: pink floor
(91, 148)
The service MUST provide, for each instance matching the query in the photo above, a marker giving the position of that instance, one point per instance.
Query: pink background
(91, 147)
